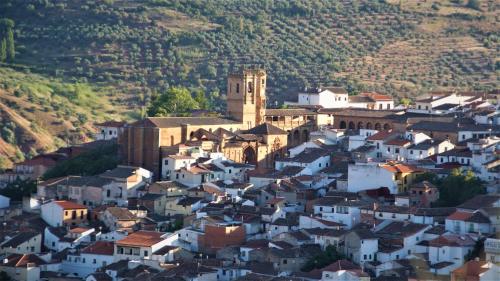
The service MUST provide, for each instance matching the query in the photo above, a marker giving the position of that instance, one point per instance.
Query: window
(319, 165)
(411, 151)
(165, 161)
(380, 215)
(420, 153)
(285, 261)
(145, 253)
(263, 82)
(237, 87)
(250, 87)
(397, 150)
(83, 260)
(364, 257)
(389, 149)
(393, 216)
(229, 171)
(94, 261)
(73, 215)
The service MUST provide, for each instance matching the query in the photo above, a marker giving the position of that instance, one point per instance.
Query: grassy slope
(47, 113)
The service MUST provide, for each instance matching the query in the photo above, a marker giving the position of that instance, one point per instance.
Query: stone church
(245, 135)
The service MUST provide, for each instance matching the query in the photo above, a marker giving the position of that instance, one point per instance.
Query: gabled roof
(480, 201)
(453, 240)
(309, 155)
(68, 205)
(382, 135)
(100, 248)
(120, 172)
(142, 239)
(19, 239)
(17, 260)
(121, 213)
(395, 167)
(115, 124)
(266, 129)
(402, 229)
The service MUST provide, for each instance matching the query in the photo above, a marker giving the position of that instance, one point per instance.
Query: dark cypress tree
(10, 48)
(3, 50)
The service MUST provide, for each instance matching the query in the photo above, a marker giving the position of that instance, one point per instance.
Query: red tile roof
(470, 270)
(381, 135)
(141, 239)
(452, 240)
(79, 230)
(376, 96)
(100, 248)
(17, 260)
(68, 205)
(400, 168)
(460, 216)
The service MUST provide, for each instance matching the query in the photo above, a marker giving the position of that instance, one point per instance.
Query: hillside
(138, 48)
(39, 114)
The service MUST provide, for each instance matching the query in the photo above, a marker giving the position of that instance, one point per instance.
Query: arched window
(351, 126)
(343, 125)
(250, 88)
(369, 125)
(387, 126)
(360, 125)
(378, 127)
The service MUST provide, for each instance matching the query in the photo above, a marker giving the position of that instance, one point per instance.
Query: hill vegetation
(132, 52)
(39, 114)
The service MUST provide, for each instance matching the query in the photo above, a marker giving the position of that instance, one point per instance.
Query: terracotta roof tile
(100, 248)
(68, 205)
(381, 135)
(142, 239)
(459, 215)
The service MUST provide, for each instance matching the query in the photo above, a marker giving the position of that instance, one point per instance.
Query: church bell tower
(246, 97)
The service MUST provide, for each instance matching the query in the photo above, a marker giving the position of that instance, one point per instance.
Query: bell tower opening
(247, 104)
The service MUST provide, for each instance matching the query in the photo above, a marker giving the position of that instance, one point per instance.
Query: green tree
(3, 163)
(406, 102)
(3, 50)
(11, 52)
(324, 258)
(201, 99)
(175, 101)
(456, 188)
(92, 162)
(474, 4)
(18, 189)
